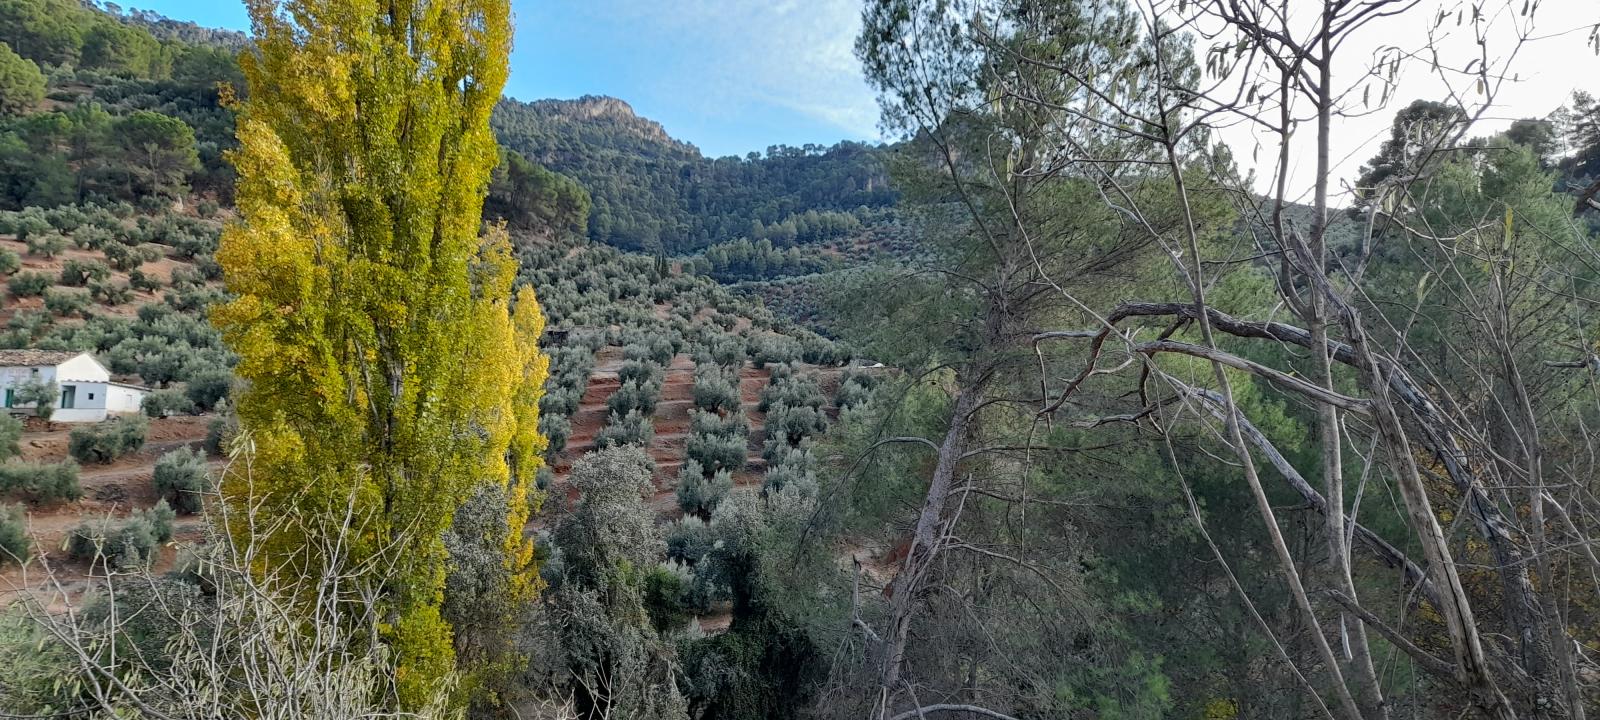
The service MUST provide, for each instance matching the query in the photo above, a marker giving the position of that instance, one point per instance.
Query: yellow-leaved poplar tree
(391, 368)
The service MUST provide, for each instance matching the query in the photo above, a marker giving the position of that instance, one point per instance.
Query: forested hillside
(655, 194)
(462, 406)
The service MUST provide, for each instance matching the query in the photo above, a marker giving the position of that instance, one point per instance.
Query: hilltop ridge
(604, 109)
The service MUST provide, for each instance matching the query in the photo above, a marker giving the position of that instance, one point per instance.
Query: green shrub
(639, 371)
(41, 482)
(556, 429)
(655, 348)
(167, 402)
(185, 277)
(66, 303)
(636, 351)
(794, 424)
(28, 283)
(78, 273)
(67, 218)
(728, 350)
(818, 350)
(220, 432)
(9, 262)
(208, 267)
(92, 237)
(717, 452)
(665, 597)
(24, 327)
(138, 280)
(192, 299)
(206, 388)
(182, 478)
(152, 313)
(781, 371)
(27, 222)
(560, 401)
(765, 349)
(710, 423)
(714, 390)
(689, 538)
(779, 453)
(634, 396)
(154, 203)
(13, 533)
(10, 437)
(634, 428)
(123, 257)
(792, 391)
(123, 544)
(106, 441)
(854, 389)
(110, 292)
(46, 245)
(193, 244)
(698, 494)
(588, 338)
(793, 478)
(851, 395)
(160, 517)
(571, 363)
(477, 584)
(42, 395)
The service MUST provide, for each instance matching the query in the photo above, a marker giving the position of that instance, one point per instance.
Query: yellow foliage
(1220, 709)
(391, 371)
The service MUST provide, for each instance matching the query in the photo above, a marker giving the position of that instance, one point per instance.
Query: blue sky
(730, 76)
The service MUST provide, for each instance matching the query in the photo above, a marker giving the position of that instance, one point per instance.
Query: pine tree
(391, 368)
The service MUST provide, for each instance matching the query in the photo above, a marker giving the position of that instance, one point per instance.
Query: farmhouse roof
(32, 358)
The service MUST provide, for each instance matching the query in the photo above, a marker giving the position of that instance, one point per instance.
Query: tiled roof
(31, 358)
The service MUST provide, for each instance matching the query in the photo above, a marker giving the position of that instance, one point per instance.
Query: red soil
(671, 420)
(161, 269)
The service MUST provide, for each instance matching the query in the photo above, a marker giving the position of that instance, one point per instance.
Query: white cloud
(725, 55)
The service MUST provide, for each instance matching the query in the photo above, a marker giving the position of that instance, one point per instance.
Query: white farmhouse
(87, 392)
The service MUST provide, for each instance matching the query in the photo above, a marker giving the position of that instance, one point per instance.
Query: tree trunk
(925, 540)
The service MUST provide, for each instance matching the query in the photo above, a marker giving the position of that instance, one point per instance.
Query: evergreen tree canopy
(21, 83)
